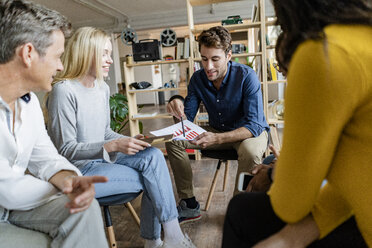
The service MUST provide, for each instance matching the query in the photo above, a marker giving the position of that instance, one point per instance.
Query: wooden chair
(223, 156)
(112, 200)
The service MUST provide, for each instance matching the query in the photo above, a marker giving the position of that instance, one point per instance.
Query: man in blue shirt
(231, 93)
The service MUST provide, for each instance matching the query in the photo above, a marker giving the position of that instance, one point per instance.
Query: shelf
(275, 121)
(157, 116)
(204, 2)
(240, 55)
(271, 23)
(158, 62)
(277, 82)
(233, 27)
(152, 90)
(237, 27)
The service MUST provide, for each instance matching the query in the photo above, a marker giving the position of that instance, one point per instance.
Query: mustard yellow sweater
(328, 132)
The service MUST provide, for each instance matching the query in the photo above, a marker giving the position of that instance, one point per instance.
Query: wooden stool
(223, 156)
(112, 200)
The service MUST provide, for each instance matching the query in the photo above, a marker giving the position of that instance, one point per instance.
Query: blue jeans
(146, 171)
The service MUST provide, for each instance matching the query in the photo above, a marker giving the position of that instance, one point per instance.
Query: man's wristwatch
(269, 173)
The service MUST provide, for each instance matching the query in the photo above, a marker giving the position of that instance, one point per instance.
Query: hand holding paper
(206, 139)
(191, 131)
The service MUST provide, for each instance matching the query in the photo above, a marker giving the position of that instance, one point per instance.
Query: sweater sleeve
(330, 210)
(62, 127)
(320, 101)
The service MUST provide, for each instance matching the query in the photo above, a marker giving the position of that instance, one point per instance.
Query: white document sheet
(191, 131)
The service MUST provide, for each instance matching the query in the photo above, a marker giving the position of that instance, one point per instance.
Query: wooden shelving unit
(159, 62)
(131, 94)
(262, 24)
(151, 90)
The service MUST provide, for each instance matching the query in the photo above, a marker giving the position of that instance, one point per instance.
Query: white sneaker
(184, 243)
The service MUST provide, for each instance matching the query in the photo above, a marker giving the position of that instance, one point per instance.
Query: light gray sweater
(79, 121)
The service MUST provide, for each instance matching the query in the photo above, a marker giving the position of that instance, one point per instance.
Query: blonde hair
(84, 48)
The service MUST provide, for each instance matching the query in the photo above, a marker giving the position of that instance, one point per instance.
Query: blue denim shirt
(238, 102)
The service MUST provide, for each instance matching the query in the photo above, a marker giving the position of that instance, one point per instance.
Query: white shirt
(26, 147)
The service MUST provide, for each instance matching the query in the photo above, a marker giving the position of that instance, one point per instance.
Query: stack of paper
(191, 131)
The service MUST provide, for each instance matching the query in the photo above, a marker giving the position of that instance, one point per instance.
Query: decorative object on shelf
(168, 57)
(168, 37)
(146, 50)
(238, 48)
(278, 109)
(141, 85)
(236, 19)
(170, 84)
(129, 59)
(128, 36)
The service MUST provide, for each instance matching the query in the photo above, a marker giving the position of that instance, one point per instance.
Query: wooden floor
(205, 233)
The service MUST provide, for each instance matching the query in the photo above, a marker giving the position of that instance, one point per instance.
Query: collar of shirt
(238, 102)
(28, 147)
(26, 98)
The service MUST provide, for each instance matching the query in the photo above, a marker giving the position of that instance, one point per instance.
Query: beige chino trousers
(250, 152)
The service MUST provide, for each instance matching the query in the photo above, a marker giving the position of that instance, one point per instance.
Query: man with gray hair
(53, 198)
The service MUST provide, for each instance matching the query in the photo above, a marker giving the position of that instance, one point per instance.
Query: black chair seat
(117, 199)
(220, 154)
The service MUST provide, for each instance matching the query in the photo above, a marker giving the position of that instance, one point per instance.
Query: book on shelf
(257, 68)
(257, 16)
(196, 50)
(273, 70)
(269, 76)
(180, 48)
(186, 48)
(254, 13)
(197, 66)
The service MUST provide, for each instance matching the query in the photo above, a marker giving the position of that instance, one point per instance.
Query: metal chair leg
(132, 212)
(110, 228)
(213, 186)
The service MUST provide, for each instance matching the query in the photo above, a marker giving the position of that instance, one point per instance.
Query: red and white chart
(191, 131)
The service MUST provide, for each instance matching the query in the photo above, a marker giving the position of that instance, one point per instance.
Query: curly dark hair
(302, 20)
(217, 37)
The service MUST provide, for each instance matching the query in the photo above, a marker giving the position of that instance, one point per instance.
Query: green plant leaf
(118, 111)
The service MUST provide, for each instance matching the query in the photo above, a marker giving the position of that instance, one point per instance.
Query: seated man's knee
(174, 145)
(93, 213)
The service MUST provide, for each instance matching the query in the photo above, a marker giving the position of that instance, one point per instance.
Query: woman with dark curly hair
(325, 50)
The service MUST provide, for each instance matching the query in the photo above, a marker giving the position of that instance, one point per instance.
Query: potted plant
(119, 113)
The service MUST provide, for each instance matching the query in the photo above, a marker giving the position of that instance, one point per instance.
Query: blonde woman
(79, 125)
